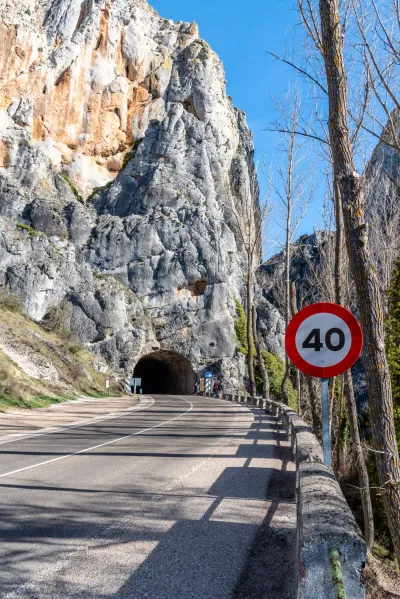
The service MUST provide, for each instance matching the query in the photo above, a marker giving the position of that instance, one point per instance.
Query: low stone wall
(324, 519)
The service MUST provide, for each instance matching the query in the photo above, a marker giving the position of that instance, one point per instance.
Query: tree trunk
(314, 390)
(250, 357)
(331, 403)
(338, 245)
(349, 394)
(260, 358)
(362, 269)
(294, 310)
(338, 450)
(287, 306)
(361, 466)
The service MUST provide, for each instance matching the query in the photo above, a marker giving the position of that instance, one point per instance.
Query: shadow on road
(194, 540)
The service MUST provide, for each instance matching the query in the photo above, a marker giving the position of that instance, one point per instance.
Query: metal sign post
(325, 422)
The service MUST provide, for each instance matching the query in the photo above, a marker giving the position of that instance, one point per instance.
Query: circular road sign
(208, 375)
(323, 340)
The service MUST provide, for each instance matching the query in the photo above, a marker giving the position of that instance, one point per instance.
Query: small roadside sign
(208, 375)
(324, 340)
(107, 383)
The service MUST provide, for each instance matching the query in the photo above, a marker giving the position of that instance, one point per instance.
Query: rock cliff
(124, 168)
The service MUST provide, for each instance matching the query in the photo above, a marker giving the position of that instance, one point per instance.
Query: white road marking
(63, 457)
(80, 424)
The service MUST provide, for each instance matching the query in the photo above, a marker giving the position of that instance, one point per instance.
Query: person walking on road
(215, 390)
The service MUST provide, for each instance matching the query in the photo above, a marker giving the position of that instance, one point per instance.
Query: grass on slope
(32, 359)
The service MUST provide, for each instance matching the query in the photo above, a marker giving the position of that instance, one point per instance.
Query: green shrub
(55, 319)
(74, 348)
(132, 153)
(66, 334)
(276, 371)
(240, 323)
(393, 342)
(10, 302)
(393, 332)
(100, 189)
(393, 356)
(27, 228)
(72, 186)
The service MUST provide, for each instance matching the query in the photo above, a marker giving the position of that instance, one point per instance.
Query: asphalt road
(184, 497)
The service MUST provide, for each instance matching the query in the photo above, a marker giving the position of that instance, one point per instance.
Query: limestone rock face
(124, 168)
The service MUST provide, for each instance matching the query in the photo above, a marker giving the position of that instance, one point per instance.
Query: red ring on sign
(329, 371)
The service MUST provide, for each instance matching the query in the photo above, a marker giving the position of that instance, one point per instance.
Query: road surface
(183, 497)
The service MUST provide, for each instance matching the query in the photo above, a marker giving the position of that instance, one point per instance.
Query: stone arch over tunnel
(165, 372)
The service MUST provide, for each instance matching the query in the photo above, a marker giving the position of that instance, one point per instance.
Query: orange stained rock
(79, 114)
(102, 42)
(15, 55)
(4, 153)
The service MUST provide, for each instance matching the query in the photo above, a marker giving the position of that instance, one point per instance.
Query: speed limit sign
(323, 340)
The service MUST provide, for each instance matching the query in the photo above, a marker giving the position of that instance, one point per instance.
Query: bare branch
(300, 70)
(309, 135)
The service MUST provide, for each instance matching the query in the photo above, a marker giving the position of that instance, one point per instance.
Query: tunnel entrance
(165, 372)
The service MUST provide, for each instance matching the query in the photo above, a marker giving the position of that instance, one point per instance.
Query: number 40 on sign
(324, 340)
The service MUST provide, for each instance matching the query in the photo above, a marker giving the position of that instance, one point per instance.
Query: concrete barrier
(324, 519)
(325, 522)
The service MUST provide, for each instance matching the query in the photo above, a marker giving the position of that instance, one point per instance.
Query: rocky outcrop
(124, 168)
(306, 256)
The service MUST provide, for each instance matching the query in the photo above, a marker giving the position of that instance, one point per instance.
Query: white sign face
(107, 383)
(323, 339)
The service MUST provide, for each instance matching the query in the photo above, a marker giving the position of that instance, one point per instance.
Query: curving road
(183, 497)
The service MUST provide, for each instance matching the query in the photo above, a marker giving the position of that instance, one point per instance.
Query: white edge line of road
(80, 424)
(69, 455)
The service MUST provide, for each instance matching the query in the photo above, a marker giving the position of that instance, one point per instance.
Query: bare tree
(331, 280)
(376, 41)
(383, 195)
(260, 357)
(326, 71)
(351, 194)
(251, 223)
(294, 193)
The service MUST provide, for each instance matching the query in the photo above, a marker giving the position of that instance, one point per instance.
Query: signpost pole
(325, 422)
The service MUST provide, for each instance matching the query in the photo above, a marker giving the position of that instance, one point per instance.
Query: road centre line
(60, 428)
(101, 444)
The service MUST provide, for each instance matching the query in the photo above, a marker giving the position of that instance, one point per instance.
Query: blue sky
(241, 33)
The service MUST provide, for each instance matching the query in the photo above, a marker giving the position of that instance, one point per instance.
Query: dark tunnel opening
(165, 372)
